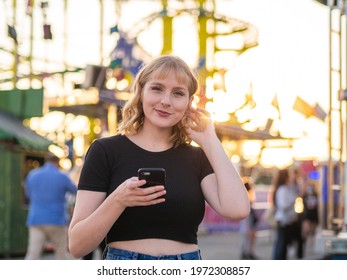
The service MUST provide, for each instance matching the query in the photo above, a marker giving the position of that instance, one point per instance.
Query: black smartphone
(153, 176)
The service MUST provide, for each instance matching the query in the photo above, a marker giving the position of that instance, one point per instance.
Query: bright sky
(291, 59)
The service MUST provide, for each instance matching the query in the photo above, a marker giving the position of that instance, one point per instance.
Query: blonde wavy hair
(132, 112)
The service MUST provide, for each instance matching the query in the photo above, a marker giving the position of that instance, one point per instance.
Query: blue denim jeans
(118, 254)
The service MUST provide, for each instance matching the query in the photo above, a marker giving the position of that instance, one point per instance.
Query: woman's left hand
(199, 125)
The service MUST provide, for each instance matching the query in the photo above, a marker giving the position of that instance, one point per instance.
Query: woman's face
(164, 101)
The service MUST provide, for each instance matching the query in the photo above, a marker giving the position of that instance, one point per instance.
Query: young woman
(158, 124)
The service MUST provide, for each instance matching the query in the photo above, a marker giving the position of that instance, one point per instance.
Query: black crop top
(112, 160)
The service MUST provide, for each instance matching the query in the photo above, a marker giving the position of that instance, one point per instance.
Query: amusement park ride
(123, 60)
(99, 89)
(108, 83)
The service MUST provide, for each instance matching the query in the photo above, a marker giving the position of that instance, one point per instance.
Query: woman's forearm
(86, 234)
(232, 195)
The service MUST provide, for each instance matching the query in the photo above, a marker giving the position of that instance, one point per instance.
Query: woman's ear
(191, 100)
(190, 104)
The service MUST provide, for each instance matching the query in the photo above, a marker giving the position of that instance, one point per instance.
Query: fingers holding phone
(153, 177)
(131, 193)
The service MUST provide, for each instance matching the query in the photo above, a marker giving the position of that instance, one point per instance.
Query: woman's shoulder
(111, 140)
(107, 144)
(189, 147)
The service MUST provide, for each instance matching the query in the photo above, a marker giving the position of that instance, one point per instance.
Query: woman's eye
(156, 88)
(179, 93)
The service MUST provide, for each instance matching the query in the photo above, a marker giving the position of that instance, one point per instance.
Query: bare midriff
(155, 247)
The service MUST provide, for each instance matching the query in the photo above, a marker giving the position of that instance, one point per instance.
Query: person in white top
(286, 217)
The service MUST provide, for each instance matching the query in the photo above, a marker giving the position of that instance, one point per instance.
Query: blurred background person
(248, 226)
(46, 188)
(310, 215)
(284, 197)
(298, 182)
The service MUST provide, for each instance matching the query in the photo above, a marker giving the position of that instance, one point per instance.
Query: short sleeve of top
(95, 172)
(206, 168)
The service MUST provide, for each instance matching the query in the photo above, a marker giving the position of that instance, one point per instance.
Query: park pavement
(226, 246)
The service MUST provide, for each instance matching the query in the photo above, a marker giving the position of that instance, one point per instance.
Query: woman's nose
(165, 101)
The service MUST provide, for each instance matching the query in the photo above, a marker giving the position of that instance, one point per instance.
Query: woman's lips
(162, 113)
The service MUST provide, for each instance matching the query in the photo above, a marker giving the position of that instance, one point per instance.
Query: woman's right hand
(130, 193)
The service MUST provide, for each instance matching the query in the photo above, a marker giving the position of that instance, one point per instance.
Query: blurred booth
(21, 150)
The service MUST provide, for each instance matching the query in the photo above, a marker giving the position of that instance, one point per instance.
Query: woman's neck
(154, 140)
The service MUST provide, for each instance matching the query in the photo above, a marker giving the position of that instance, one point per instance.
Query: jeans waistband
(119, 254)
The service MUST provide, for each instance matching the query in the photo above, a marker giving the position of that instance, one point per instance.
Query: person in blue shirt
(46, 188)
